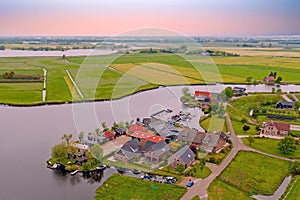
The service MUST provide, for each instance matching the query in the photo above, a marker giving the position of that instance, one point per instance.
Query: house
(136, 127)
(147, 137)
(202, 96)
(164, 129)
(275, 128)
(199, 138)
(109, 135)
(269, 79)
(238, 91)
(120, 131)
(146, 121)
(79, 149)
(285, 105)
(157, 151)
(94, 139)
(184, 156)
(129, 151)
(187, 135)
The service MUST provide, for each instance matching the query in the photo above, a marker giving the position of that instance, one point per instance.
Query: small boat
(135, 171)
(102, 167)
(54, 166)
(74, 172)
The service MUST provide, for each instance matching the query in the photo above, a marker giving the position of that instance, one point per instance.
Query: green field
(119, 187)
(269, 145)
(254, 173)
(215, 124)
(219, 190)
(134, 72)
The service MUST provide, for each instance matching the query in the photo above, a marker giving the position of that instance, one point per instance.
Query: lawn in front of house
(269, 145)
(254, 173)
(119, 187)
(214, 124)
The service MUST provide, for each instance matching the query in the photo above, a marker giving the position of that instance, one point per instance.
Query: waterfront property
(184, 156)
(272, 128)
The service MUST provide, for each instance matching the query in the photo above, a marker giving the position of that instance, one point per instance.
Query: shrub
(246, 128)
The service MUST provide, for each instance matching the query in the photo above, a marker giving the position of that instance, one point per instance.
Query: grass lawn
(238, 128)
(269, 145)
(121, 187)
(294, 192)
(215, 124)
(255, 173)
(219, 190)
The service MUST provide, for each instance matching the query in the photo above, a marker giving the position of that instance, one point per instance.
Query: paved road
(295, 97)
(200, 187)
(295, 127)
(286, 98)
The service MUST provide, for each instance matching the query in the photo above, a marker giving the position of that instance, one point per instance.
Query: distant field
(134, 72)
(255, 173)
(119, 187)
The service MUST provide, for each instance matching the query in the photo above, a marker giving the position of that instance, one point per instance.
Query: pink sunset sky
(190, 17)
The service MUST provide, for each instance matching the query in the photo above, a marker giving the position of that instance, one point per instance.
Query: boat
(102, 167)
(74, 172)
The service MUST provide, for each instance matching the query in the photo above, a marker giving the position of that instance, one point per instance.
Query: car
(190, 184)
(146, 177)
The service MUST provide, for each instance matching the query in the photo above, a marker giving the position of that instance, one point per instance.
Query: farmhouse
(136, 127)
(202, 96)
(285, 105)
(129, 151)
(269, 79)
(275, 128)
(184, 156)
(157, 152)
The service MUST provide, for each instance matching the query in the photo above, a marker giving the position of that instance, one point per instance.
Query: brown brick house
(275, 128)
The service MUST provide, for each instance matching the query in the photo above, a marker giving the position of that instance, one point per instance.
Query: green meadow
(130, 73)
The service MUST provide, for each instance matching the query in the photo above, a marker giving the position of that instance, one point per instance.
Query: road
(200, 187)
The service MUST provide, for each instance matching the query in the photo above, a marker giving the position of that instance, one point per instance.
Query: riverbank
(252, 89)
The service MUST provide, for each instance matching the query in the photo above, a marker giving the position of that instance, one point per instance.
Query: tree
(226, 93)
(2, 47)
(59, 151)
(104, 126)
(97, 151)
(67, 138)
(279, 79)
(287, 145)
(249, 79)
(81, 135)
(251, 140)
(97, 131)
(295, 167)
(271, 74)
(275, 74)
(180, 168)
(244, 121)
(273, 90)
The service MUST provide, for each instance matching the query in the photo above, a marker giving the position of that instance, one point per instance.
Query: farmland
(134, 72)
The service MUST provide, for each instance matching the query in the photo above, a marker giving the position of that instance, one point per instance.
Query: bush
(244, 121)
(295, 167)
(246, 128)
(180, 168)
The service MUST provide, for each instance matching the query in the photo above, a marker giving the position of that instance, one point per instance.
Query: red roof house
(148, 136)
(202, 95)
(134, 127)
(269, 79)
(109, 135)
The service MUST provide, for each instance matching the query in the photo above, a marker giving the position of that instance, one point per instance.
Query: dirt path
(286, 98)
(75, 85)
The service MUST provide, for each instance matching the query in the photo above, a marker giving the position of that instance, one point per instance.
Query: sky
(112, 17)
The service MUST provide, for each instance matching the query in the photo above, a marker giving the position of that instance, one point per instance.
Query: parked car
(146, 177)
(190, 184)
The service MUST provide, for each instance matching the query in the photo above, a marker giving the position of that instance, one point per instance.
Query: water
(27, 135)
(75, 52)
